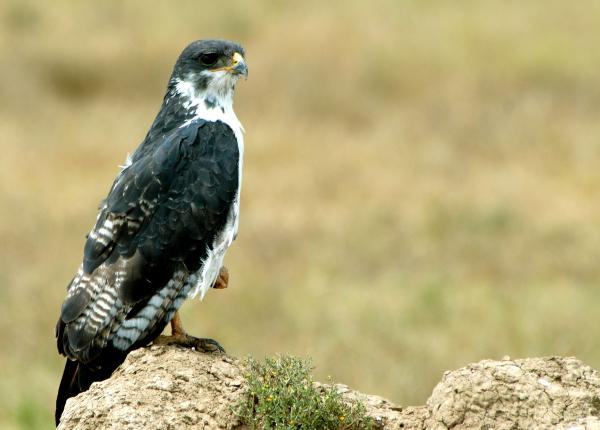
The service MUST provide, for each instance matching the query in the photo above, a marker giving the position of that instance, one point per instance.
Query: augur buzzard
(163, 230)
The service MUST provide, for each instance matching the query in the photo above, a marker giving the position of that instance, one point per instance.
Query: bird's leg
(177, 326)
(181, 338)
(222, 279)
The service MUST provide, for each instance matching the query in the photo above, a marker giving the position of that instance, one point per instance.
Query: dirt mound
(164, 387)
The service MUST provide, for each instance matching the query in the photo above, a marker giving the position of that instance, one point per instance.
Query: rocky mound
(165, 387)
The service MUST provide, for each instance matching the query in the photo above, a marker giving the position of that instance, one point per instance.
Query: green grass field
(421, 180)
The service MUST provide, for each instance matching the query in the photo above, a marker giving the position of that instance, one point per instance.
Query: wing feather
(161, 216)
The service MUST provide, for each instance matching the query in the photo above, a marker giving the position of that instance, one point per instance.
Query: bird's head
(209, 68)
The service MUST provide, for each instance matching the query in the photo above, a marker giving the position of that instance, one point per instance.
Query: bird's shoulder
(180, 188)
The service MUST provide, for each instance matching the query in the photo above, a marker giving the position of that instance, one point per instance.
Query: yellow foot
(181, 338)
(222, 279)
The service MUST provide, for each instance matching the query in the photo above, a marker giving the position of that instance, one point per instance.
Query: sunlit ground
(421, 181)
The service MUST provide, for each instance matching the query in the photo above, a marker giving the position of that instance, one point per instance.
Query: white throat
(215, 103)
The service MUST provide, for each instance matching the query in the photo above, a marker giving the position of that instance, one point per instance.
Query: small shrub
(282, 395)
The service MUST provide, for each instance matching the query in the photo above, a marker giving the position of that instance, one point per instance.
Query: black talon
(205, 345)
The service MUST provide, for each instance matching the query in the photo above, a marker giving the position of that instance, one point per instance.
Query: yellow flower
(342, 418)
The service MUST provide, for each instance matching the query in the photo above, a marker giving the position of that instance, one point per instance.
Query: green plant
(282, 395)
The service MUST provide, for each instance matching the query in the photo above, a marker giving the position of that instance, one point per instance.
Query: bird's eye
(209, 59)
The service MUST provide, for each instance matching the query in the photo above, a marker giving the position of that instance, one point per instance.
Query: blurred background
(421, 180)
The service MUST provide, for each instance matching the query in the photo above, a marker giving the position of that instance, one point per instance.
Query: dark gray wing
(162, 214)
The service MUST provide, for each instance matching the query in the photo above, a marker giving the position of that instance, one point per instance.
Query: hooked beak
(238, 65)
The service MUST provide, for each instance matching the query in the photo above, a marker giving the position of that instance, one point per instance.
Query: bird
(163, 230)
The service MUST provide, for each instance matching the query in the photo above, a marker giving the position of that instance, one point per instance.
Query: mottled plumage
(166, 223)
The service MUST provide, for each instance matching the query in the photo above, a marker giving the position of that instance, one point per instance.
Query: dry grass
(421, 183)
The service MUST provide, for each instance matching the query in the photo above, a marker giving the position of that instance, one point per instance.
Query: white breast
(222, 110)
